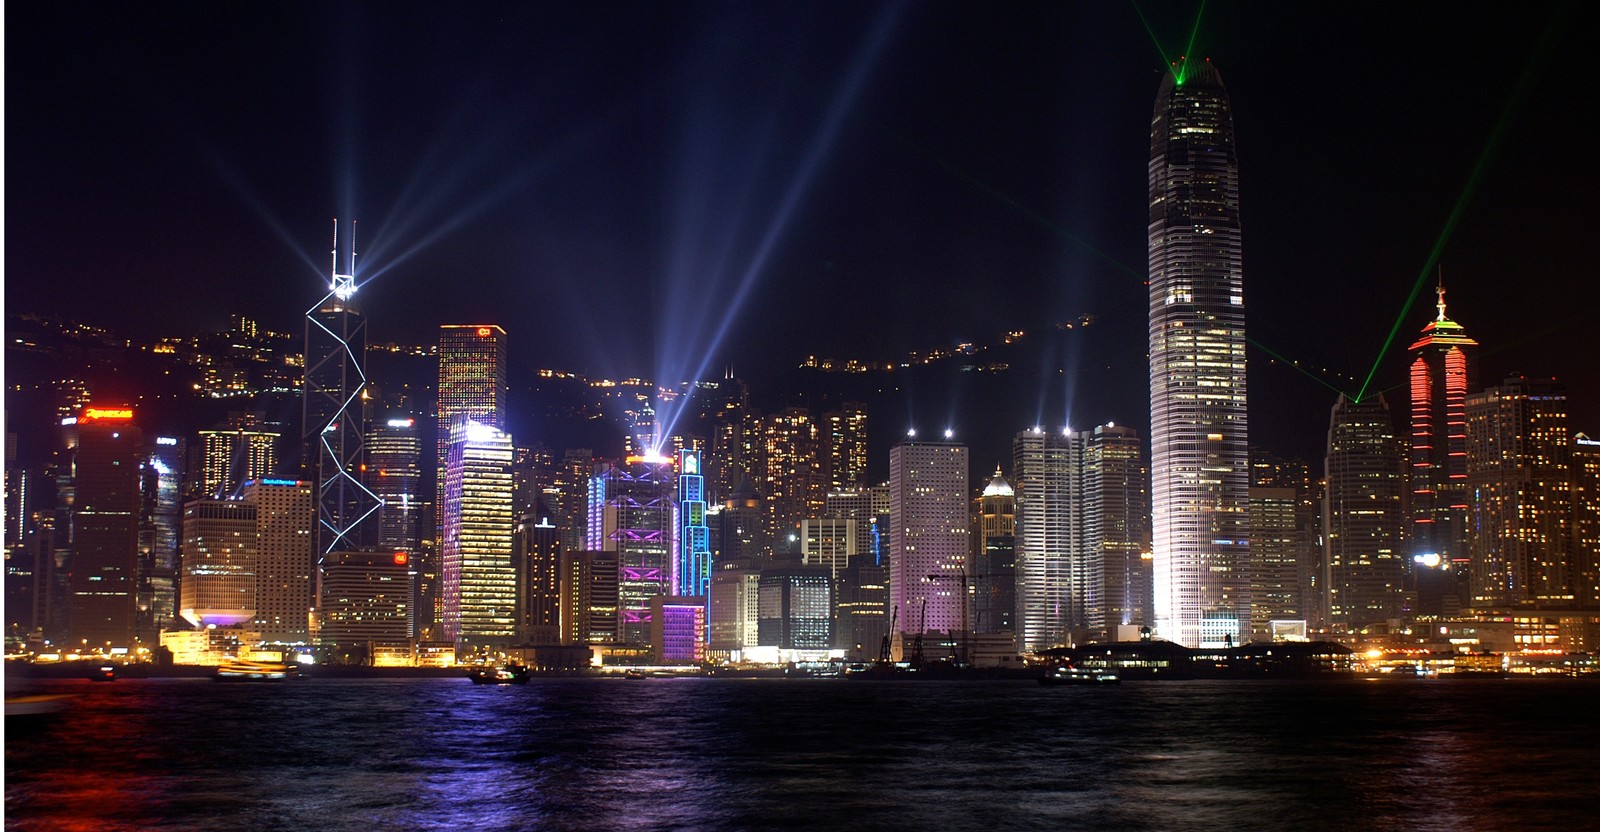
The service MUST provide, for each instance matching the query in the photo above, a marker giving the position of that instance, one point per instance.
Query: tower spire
(1440, 290)
(343, 285)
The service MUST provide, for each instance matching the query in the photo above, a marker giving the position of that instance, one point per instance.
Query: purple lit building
(631, 509)
(678, 628)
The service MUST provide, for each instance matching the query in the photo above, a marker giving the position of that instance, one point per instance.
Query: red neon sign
(117, 413)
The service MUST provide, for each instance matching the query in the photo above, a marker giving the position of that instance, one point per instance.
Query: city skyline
(1029, 157)
(717, 317)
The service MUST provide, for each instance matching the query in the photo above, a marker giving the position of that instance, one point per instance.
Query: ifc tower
(1199, 445)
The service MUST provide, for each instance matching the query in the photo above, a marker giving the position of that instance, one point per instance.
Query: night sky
(865, 179)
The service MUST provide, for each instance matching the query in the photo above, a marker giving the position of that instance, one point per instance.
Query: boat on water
(506, 674)
(106, 673)
(242, 670)
(1069, 675)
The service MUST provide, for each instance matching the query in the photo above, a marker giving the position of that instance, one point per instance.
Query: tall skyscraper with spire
(334, 453)
(1442, 374)
(1199, 439)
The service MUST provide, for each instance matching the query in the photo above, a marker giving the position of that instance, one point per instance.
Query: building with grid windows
(1199, 438)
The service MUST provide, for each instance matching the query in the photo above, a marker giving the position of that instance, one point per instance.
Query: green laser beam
(1295, 364)
(1188, 53)
(1490, 149)
(1165, 61)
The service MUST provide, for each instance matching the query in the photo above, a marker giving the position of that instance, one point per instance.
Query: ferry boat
(1069, 675)
(242, 670)
(507, 674)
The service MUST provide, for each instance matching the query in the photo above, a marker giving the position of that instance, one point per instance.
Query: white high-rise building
(1199, 442)
(928, 539)
(1046, 537)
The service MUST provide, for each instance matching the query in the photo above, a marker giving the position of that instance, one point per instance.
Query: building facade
(928, 539)
(1443, 372)
(1045, 488)
(1199, 440)
(285, 557)
(333, 442)
(1363, 520)
(235, 453)
(1520, 482)
(100, 491)
(472, 384)
(631, 515)
(218, 585)
(479, 580)
(366, 601)
(994, 561)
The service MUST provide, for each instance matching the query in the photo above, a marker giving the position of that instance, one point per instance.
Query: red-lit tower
(1442, 373)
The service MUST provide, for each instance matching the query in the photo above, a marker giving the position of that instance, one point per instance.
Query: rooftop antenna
(1440, 290)
(344, 285)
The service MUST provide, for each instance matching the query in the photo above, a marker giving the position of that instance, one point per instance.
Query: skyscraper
(101, 491)
(1442, 373)
(631, 507)
(394, 472)
(1114, 504)
(1199, 430)
(1043, 479)
(692, 572)
(1302, 588)
(994, 558)
(472, 383)
(218, 586)
(333, 449)
(1586, 518)
(789, 468)
(285, 511)
(844, 442)
(1519, 472)
(472, 376)
(479, 580)
(538, 559)
(928, 539)
(1363, 525)
(162, 524)
(235, 451)
(868, 507)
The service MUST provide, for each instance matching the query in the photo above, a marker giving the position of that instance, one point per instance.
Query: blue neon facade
(692, 575)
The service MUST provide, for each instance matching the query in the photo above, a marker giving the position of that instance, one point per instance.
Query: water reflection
(732, 754)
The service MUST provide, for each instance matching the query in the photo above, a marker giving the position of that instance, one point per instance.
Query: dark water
(772, 754)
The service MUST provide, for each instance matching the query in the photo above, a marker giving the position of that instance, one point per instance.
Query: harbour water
(727, 754)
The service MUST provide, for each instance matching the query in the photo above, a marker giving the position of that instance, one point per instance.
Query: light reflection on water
(742, 754)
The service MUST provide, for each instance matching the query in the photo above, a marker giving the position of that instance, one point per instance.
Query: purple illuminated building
(678, 628)
(631, 508)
